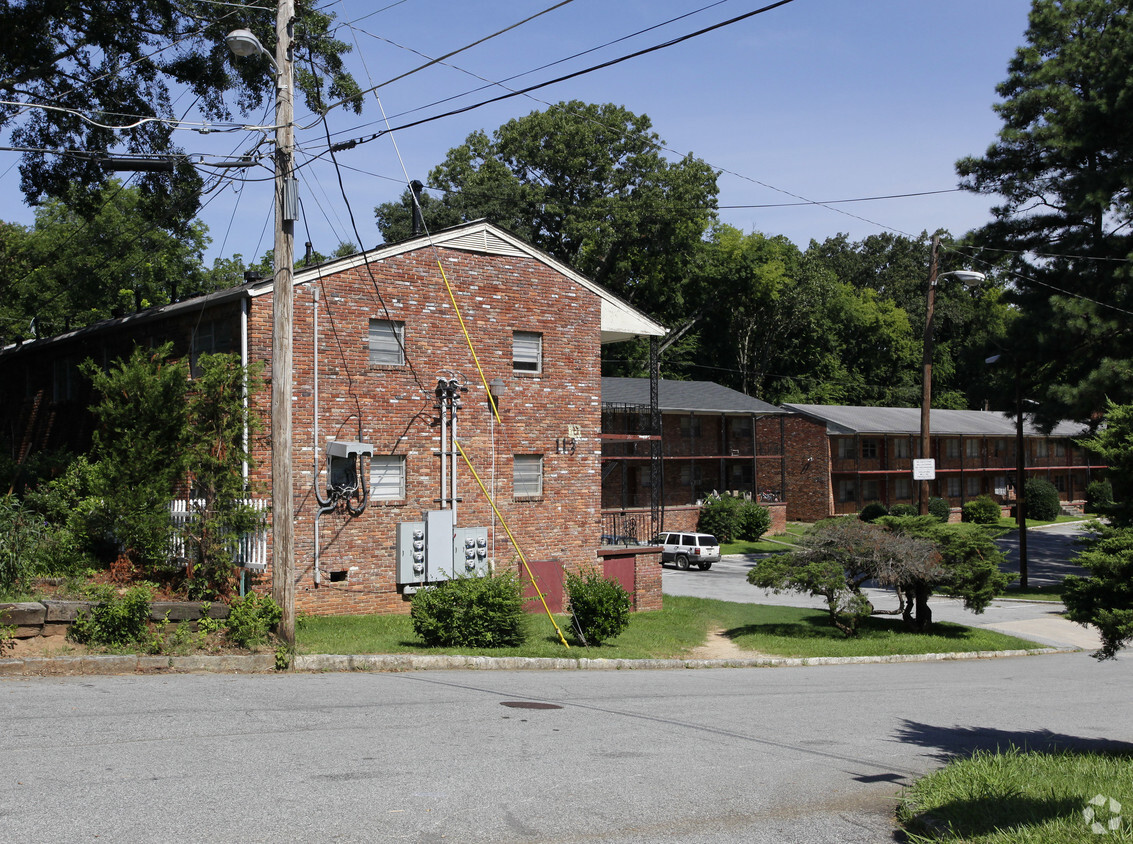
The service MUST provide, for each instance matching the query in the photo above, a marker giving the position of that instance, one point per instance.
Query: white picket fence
(253, 550)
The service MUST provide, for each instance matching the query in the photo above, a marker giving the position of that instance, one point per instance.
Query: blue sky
(817, 100)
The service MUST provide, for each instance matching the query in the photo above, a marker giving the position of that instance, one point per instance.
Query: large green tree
(1063, 166)
(69, 70)
(894, 268)
(590, 185)
(70, 270)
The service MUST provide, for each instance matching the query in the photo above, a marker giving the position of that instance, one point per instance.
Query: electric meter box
(342, 463)
(435, 550)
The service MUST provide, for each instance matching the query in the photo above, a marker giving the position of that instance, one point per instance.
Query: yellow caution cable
(515, 544)
(468, 340)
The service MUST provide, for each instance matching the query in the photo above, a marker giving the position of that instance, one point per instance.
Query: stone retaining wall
(54, 618)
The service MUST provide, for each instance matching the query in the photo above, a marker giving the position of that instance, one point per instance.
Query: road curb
(70, 666)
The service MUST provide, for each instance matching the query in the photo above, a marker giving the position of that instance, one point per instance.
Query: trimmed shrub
(600, 606)
(471, 612)
(903, 510)
(873, 511)
(983, 510)
(1041, 499)
(1099, 496)
(938, 507)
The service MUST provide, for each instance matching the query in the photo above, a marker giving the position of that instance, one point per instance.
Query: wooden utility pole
(926, 376)
(286, 211)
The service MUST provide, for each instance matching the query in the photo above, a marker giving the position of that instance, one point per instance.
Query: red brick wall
(809, 496)
(391, 408)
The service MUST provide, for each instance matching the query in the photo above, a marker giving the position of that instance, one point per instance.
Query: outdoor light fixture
(243, 43)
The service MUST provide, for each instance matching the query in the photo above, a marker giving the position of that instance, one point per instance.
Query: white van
(683, 549)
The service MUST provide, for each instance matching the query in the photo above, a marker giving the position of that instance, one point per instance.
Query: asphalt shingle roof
(693, 396)
(844, 419)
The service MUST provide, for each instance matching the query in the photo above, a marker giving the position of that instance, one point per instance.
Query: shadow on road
(956, 741)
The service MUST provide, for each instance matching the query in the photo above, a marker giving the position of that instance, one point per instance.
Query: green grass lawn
(672, 632)
(1052, 592)
(1011, 795)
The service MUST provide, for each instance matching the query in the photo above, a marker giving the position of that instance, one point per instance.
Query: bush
(873, 511)
(903, 510)
(118, 621)
(939, 509)
(1041, 499)
(719, 515)
(983, 510)
(754, 521)
(729, 518)
(1099, 496)
(250, 620)
(471, 612)
(600, 607)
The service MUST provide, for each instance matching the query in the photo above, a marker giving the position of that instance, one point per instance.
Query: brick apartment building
(809, 462)
(376, 335)
(713, 439)
(869, 454)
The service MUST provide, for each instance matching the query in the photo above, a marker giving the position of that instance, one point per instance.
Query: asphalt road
(715, 755)
(808, 754)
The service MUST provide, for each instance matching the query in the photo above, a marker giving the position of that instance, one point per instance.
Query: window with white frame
(387, 477)
(527, 475)
(527, 351)
(869, 448)
(387, 343)
(901, 448)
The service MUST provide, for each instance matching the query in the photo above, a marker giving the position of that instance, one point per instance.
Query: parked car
(685, 549)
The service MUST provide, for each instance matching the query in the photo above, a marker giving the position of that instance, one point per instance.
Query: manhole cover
(529, 704)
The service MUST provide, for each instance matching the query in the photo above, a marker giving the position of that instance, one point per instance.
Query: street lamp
(969, 278)
(244, 44)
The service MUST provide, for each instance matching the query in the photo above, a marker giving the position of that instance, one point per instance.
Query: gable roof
(690, 396)
(620, 320)
(845, 419)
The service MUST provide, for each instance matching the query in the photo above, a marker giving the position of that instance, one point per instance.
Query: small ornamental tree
(838, 556)
(970, 565)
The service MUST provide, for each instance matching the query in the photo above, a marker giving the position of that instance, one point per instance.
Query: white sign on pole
(924, 470)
